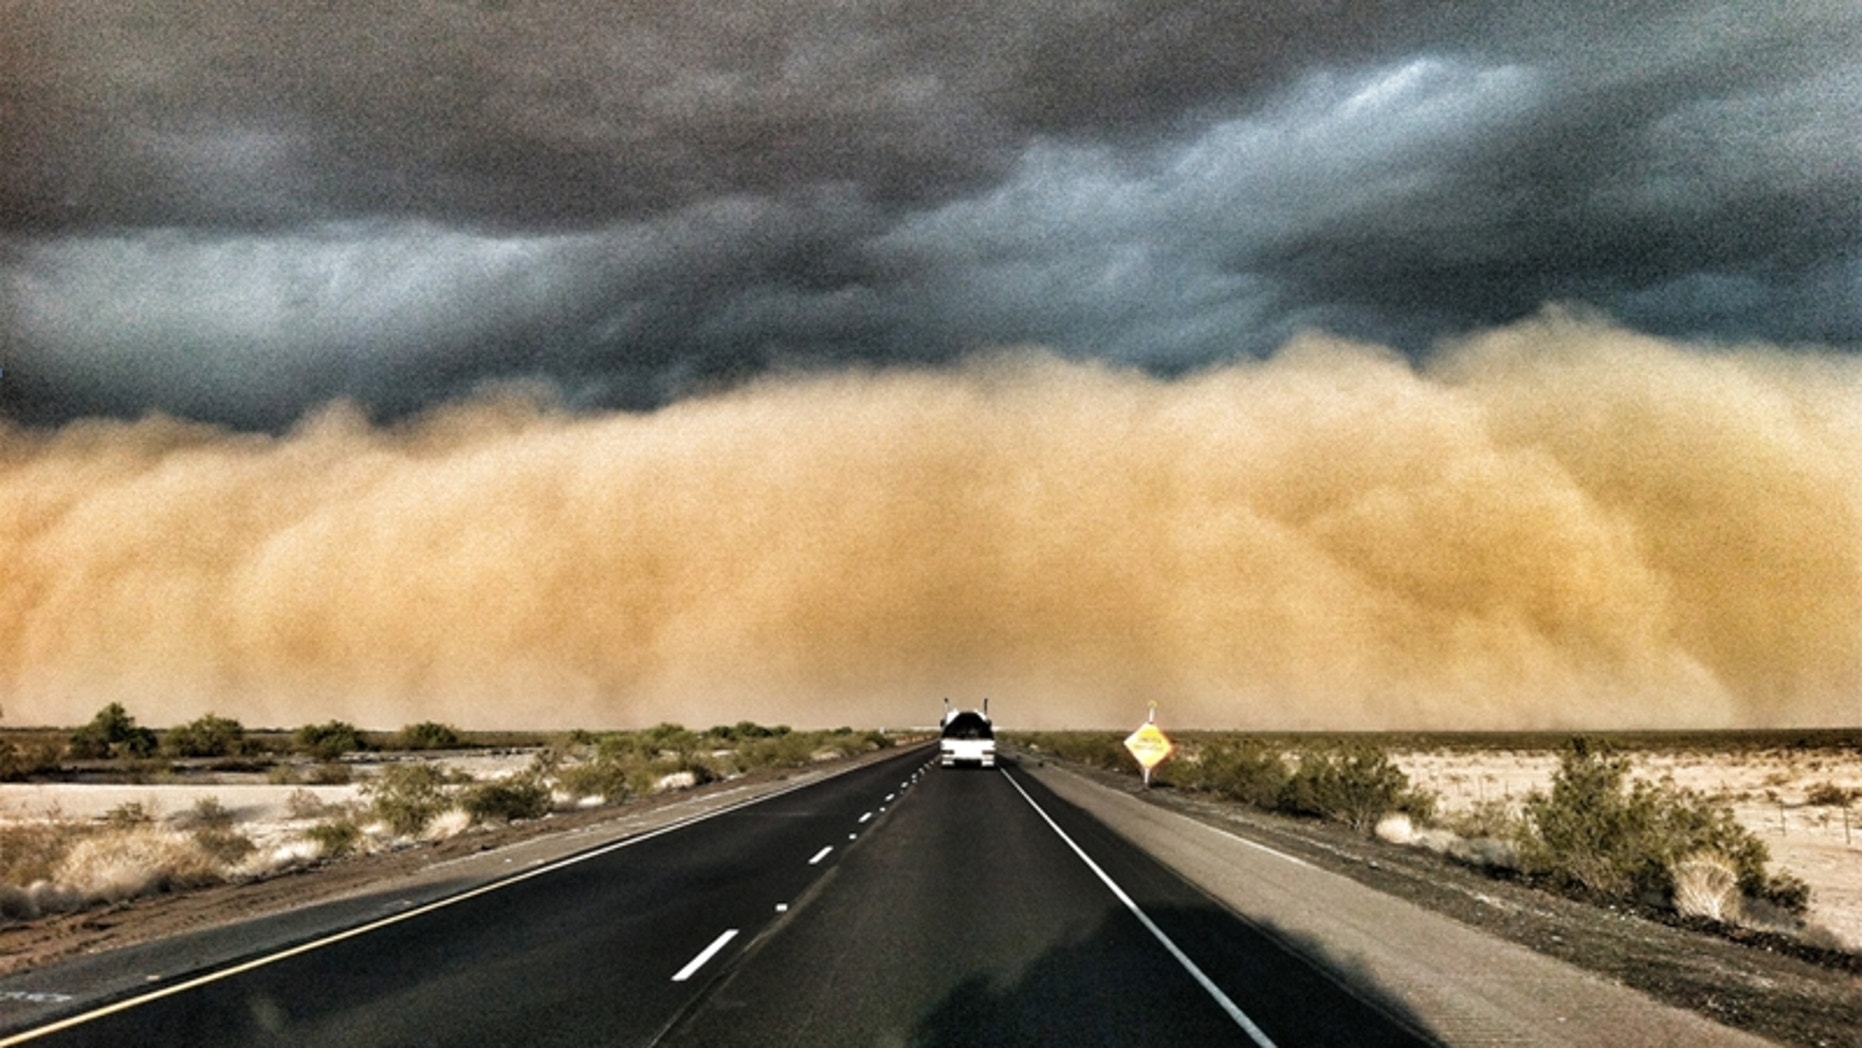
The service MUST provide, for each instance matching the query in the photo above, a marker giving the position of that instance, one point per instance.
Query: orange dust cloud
(1555, 524)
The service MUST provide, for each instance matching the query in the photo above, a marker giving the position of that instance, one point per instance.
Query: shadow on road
(1072, 996)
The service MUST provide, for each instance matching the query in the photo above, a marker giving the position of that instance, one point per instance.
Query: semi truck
(968, 738)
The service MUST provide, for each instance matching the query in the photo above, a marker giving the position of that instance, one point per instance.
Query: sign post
(1149, 745)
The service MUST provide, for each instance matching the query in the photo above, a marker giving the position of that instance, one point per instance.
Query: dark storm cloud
(236, 212)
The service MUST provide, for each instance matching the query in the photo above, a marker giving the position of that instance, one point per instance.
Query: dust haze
(1555, 524)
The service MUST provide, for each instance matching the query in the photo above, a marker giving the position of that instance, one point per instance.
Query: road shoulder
(1465, 986)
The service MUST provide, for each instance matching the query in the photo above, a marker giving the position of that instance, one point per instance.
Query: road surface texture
(899, 904)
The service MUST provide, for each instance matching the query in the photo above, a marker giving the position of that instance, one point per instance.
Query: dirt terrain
(1772, 790)
(1770, 985)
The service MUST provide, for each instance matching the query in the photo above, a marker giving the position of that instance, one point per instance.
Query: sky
(332, 249)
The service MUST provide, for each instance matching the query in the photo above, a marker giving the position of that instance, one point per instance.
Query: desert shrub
(1493, 818)
(208, 813)
(226, 846)
(112, 733)
(786, 749)
(329, 740)
(127, 814)
(331, 773)
(19, 762)
(1829, 795)
(1240, 769)
(1096, 749)
(1592, 833)
(604, 778)
(520, 798)
(209, 736)
(303, 804)
(408, 796)
(334, 838)
(683, 772)
(1786, 891)
(1355, 785)
(427, 735)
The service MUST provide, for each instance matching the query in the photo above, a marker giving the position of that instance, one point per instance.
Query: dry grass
(1707, 885)
(112, 867)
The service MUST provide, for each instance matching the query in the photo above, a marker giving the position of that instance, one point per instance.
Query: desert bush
(19, 762)
(1356, 785)
(209, 736)
(427, 735)
(112, 733)
(207, 813)
(329, 740)
(408, 796)
(1786, 891)
(1592, 833)
(1241, 770)
(1829, 795)
(1493, 819)
(127, 814)
(334, 838)
(1096, 749)
(604, 778)
(223, 844)
(785, 750)
(303, 804)
(512, 799)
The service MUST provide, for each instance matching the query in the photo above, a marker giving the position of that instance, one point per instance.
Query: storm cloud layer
(583, 362)
(1557, 524)
(237, 212)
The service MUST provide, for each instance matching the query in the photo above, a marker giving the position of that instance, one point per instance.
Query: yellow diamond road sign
(1149, 745)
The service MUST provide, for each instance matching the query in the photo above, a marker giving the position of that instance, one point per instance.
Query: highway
(895, 904)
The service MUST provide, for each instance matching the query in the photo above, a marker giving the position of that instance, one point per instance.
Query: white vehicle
(968, 738)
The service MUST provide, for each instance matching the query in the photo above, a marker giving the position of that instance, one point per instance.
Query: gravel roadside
(1751, 987)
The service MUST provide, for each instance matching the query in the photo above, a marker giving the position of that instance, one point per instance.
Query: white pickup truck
(968, 738)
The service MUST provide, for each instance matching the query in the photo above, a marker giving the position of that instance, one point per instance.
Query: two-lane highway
(992, 913)
(895, 904)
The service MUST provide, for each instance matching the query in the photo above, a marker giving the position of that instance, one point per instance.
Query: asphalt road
(895, 904)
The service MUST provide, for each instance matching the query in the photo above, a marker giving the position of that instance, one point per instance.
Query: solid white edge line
(711, 951)
(1257, 845)
(822, 854)
(138, 1000)
(1234, 1011)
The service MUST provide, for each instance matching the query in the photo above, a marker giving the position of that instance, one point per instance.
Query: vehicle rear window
(968, 726)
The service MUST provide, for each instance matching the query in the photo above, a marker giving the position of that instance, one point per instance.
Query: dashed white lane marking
(1255, 1033)
(711, 951)
(867, 816)
(822, 854)
(889, 796)
(538, 869)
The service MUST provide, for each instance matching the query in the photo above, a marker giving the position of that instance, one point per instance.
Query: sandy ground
(250, 799)
(273, 816)
(1767, 790)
